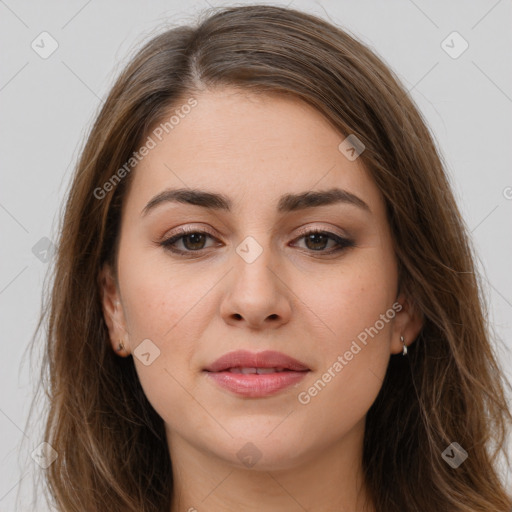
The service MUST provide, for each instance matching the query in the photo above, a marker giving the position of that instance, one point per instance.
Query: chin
(260, 453)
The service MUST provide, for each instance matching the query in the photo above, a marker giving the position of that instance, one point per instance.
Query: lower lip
(254, 385)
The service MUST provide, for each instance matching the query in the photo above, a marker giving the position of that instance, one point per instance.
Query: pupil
(192, 236)
(311, 238)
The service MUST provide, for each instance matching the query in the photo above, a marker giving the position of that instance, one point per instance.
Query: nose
(257, 296)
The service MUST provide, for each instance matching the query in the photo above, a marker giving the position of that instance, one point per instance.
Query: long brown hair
(111, 445)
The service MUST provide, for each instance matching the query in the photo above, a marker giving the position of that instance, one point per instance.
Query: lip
(246, 359)
(256, 385)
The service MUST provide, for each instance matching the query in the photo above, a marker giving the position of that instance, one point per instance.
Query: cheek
(354, 315)
(353, 364)
(355, 346)
(160, 305)
(159, 299)
(351, 299)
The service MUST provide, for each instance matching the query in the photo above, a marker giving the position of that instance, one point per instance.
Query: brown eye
(317, 241)
(192, 241)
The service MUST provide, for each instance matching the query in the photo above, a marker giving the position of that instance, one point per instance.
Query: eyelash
(343, 243)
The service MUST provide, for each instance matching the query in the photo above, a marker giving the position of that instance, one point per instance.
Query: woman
(264, 296)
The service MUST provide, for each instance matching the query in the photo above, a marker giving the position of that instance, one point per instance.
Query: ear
(408, 323)
(113, 311)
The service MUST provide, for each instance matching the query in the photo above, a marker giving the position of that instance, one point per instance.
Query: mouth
(256, 375)
(259, 371)
(253, 362)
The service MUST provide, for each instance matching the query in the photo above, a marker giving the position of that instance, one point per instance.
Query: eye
(194, 240)
(316, 240)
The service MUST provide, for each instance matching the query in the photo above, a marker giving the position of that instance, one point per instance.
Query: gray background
(47, 106)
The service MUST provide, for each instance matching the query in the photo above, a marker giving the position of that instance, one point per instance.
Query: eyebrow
(287, 202)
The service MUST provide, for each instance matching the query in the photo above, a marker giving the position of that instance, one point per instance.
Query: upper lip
(246, 359)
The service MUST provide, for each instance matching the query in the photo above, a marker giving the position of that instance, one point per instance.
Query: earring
(404, 351)
(120, 346)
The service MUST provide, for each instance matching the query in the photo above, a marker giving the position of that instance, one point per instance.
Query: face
(250, 275)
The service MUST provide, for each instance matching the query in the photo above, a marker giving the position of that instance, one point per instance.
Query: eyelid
(189, 228)
(304, 230)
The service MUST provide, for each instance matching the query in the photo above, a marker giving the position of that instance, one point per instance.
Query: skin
(253, 149)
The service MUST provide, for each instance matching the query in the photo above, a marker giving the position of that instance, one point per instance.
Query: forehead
(251, 147)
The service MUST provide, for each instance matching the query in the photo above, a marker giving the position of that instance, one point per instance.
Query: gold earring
(404, 351)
